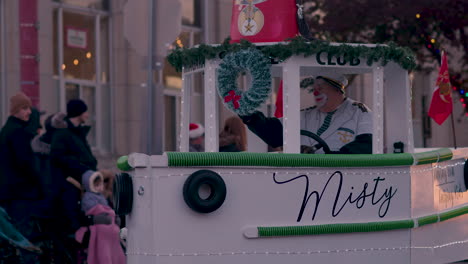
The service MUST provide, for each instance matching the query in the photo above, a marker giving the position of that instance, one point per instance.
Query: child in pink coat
(104, 242)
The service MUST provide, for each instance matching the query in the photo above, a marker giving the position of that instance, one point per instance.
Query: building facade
(56, 50)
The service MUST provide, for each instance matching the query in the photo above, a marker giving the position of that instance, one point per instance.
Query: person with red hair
(233, 138)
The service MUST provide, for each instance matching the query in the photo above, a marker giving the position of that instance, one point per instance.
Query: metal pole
(62, 96)
(3, 74)
(159, 89)
(453, 131)
(159, 114)
(149, 143)
(98, 89)
(112, 72)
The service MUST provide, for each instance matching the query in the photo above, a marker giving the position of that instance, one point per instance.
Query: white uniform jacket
(350, 119)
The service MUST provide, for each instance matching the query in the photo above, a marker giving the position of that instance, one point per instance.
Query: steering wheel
(320, 141)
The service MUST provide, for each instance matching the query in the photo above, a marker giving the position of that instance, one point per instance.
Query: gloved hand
(307, 149)
(123, 233)
(102, 219)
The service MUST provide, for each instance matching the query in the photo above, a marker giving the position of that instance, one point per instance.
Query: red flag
(263, 20)
(441, 104)
(279, 102)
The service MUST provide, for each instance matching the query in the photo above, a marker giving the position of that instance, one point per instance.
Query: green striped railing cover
(189, 159)
(433, 156)
(206, 159)
(279, 231)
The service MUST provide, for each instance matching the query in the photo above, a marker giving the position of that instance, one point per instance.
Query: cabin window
(81, 63)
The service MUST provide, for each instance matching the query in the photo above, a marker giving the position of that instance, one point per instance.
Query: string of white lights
(410, 120)
(182, 116)
(210, 106)
(137, 252)
(378, 99)
(355, 172)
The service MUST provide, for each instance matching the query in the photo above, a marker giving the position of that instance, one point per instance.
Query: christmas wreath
(252, 61)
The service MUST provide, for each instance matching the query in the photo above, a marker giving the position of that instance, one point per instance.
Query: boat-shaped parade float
(288, 207)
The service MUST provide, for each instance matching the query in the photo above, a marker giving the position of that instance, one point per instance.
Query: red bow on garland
(234, 98)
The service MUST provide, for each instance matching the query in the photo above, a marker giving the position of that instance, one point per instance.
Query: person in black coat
(18, 178)
(60, 193)
(70, 150)
(20, 191)
(51, 178)
(71, 154)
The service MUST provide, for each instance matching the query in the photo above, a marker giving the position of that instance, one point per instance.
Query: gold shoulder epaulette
(361, 106)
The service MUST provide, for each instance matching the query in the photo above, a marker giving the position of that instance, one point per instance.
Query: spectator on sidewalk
(71, 155)
(104, 244)
(70, 150)
(41, 144)
(20, 191)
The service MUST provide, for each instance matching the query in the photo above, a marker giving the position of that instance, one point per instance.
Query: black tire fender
(123, 194)
(193, 184)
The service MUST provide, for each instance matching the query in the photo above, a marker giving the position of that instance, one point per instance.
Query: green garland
(182, 57)
(233, 64)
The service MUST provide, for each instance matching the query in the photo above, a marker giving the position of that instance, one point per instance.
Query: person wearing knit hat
(20, 189)
(196, 137)
(76, 107)
(20, 106)
(71, 155)
(77, 112)
(342, 123)
(70, 149)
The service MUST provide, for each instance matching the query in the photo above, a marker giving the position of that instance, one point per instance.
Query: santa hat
(196, 130)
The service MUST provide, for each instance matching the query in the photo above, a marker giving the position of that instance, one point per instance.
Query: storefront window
(170, 123)
(79, 46)
(81, 64)
(96, 4)
(104, 50)
(186, 39)
(191, 34)
(191, 12)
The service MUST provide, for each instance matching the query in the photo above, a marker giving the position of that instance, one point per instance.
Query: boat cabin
(389, 86)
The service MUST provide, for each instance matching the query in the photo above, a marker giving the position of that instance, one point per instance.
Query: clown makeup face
(321, 92)
(320, 99)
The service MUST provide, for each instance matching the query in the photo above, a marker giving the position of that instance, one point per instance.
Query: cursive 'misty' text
(358, 198)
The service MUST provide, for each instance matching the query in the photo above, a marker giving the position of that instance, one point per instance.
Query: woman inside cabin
(233, 138)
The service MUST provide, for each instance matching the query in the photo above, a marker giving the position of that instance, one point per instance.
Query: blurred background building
(97, 50)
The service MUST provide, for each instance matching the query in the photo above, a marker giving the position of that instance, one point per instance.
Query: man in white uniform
(345, 125)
